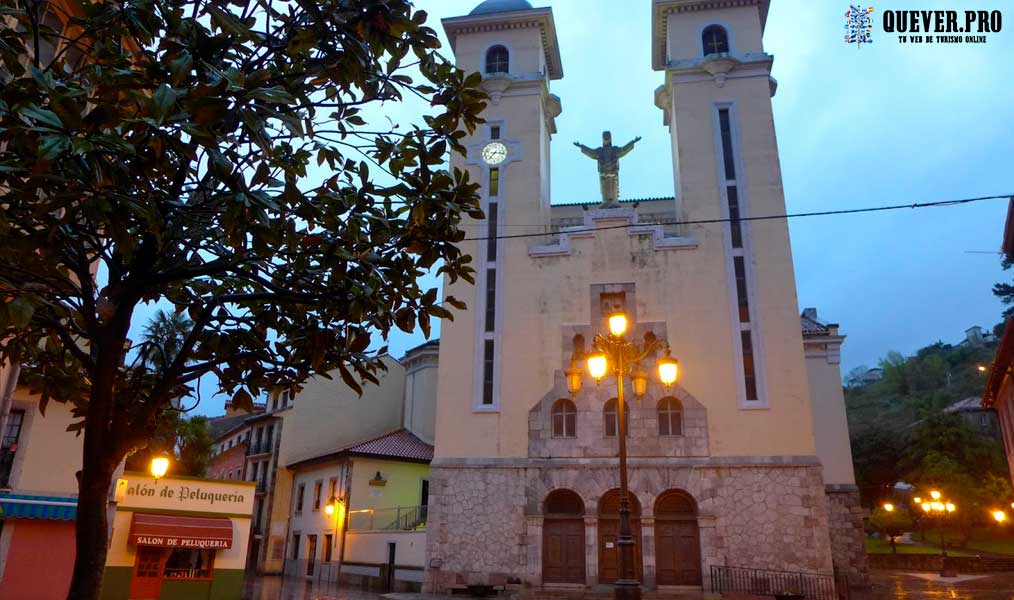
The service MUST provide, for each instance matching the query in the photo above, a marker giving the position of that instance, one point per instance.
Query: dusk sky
(884, 124)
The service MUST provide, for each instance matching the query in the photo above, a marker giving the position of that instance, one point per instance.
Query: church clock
(494, 153)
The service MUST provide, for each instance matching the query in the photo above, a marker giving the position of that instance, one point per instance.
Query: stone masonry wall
(845, 516)
(485, 523)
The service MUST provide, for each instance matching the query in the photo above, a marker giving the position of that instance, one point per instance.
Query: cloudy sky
(885, 124)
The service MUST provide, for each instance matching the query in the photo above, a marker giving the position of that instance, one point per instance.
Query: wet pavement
(889, 585)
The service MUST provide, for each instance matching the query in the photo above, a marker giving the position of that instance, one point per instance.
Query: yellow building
(745, 462)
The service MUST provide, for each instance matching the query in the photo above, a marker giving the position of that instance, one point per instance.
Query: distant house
(872, 375)
(983, 420)
(975, 336)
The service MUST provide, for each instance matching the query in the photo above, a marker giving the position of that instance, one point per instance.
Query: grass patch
(882, 546)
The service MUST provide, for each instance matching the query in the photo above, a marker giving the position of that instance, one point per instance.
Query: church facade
(745, 462)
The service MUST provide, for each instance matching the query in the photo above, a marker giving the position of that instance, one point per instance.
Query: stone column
(648, 552)
(706, 524)
(533, 552)
(591, 554)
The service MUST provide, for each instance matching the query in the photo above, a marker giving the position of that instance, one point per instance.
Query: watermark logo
(858, 25)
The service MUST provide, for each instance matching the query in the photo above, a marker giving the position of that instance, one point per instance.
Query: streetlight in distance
(614, 355)
(888, 507)
(999, 516)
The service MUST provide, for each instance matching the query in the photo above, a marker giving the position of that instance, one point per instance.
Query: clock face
(494, 153)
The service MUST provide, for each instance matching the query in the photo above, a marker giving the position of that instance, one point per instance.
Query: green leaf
(20, 312)
(46, 117)
(162, 101)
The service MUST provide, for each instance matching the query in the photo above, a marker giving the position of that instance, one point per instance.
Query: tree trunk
(92, 540)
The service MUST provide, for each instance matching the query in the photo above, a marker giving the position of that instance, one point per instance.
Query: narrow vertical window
(735, 228)
(739, 266)
(610, 421)
(490, 300)
(494, 182)
(670, 417)
(494, 209)
(494, 132)
(487, 374)
(726, 129)
(749, 375)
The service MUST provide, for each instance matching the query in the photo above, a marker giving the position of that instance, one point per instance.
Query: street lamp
(159, 465)
(888, 507)
(941, 508)
(999, 516)
(612, 354)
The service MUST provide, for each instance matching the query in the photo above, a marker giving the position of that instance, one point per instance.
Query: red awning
(180, 532)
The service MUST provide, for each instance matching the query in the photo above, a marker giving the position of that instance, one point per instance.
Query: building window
(739, 267)
(715, 40)
(328, 543)
(494, 132)
(497, 60)
(725, 128)
(609, 414)
(494, 182)
(564, 417)
(487, 374)
(15, 420)
(332, 489)
(490, 300)
(295, 545)
(670, 417)
(269, 438)
(318, 487)
(494, 209)
(749, 374)
(186, 563)
(300, 491)
(735, 228)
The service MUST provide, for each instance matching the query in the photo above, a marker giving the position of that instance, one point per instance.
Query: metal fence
(400, 518)
(787, 584)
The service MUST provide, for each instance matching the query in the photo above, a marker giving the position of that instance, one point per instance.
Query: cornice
(663, 8)
(521, 19)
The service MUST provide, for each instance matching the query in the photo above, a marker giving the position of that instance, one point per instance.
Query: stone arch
(563, 554)
(608, 533)
(677, 539)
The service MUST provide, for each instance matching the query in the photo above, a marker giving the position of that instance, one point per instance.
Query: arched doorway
(677, 540)
(563, 538)
(609, 530)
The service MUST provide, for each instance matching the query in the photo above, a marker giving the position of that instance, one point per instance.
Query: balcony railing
(400, 518)
(258, 448)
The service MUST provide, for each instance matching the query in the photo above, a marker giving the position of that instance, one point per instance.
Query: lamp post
(336, 507)
(159, 465)
(613, 354)
(941, 508)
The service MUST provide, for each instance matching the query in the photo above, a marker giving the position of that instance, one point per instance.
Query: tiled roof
(811, 327)
(970, 403)
(399, 444)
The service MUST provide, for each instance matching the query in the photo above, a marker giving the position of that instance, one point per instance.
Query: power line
(824, 213)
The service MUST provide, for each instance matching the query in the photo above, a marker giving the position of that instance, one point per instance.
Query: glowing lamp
(668, 369)
(888, 507)
(597, 366)
(982, 368)
(937, 506)
(950, 507)
(159, 466)
(935, 495)
(918, 500)
(926, 507)
(573, 375)
(618, 324)
(329, 509)
(999, 516)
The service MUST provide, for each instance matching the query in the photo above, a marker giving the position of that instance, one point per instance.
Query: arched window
(715, 40)
(609, 414)
(670, 417)
(564, 416)
(498, 60)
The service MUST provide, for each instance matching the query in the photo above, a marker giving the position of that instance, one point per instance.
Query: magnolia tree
(166, 151)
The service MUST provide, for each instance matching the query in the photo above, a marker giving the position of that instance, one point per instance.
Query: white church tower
(725, 469)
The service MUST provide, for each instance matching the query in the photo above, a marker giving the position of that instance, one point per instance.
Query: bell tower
(716, 101)
(514, 47)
